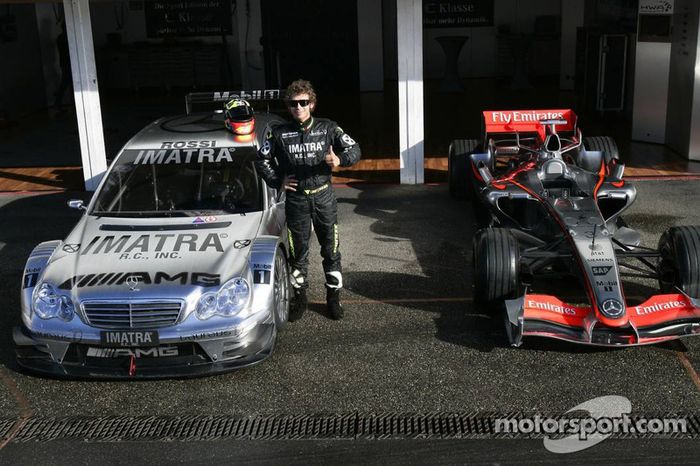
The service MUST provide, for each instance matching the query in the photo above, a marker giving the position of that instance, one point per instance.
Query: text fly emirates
(528, 117)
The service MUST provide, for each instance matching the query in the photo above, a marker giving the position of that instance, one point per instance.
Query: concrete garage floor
(411, 342)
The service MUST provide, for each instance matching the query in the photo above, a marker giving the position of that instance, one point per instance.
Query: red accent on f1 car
(527, 121)
(662, 308)
(656, 312)
(550, 308)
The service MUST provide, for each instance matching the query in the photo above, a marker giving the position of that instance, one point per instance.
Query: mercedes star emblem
(612, 307)
(241, 243)
(132, 282)
(71, 248)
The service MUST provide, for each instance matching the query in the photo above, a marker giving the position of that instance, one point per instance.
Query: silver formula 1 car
(178, 266)
(550, 203)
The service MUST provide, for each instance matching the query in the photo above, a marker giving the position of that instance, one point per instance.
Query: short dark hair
(300, 86)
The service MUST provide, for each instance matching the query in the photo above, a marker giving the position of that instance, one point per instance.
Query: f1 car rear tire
(281, 290)
(604, 144)
(496, 262)
(459, 177)
(680, 260)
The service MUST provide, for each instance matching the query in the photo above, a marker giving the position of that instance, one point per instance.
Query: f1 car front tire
(458, 169)
(680, 260)
(496, 264)
(604, 144)
(281, 290)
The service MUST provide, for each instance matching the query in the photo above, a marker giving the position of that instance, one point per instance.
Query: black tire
(604, 144)
(496, 263)
(680, 260)
(280, 294)
(459, 177)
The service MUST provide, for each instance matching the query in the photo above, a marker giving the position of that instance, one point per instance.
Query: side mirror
(617, 170)
(77, 204)
(485, 173)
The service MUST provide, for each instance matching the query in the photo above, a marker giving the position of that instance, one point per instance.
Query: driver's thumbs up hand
(332, 159)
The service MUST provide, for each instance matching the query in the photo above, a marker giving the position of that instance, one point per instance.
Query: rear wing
(259, 95)
(528, 121)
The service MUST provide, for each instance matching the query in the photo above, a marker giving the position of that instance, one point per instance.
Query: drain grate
(351, 426)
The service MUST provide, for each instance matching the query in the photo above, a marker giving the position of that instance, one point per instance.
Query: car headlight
(48, 304)
(227, 302)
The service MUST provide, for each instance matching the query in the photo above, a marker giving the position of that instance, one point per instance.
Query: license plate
(129, 338)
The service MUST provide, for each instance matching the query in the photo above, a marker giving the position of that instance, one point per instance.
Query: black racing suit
(299, 149)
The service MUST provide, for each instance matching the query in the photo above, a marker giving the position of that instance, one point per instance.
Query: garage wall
(480, 55)
(105, 17)
(21, 76)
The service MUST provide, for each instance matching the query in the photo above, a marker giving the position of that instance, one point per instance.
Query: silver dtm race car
(178, 267)
(550, 204)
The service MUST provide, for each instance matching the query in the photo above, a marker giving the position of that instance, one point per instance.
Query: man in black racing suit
(299, 157)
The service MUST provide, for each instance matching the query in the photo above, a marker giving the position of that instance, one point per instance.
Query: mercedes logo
(132, 282)
(241, 243)
(71, 248)
(612, 308)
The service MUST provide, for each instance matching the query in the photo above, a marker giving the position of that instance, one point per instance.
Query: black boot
(333, 303)
(299, 305)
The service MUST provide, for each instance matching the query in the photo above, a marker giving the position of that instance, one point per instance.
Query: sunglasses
(294, 103)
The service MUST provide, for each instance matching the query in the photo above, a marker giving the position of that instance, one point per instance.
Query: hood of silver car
(128, 258)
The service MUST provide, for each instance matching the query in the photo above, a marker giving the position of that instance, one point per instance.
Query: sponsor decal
(29, 280)
(146, 278)
(206, 335)
(155, 352)
(262, 277)
(162, 245)
(606, 285)
(600, 270)
(304, 147)
(292, 134)
(658, 7)
(612, 308)
(129, 338)
(168, 156)
(658, 307)
(187, 144)
(317, 132)
(347, 139)
(75, 336)
(207, 219)
(71, 248)
(525, 117)
(256, 94)
(241, 243)
(266, 148)
(545, 306)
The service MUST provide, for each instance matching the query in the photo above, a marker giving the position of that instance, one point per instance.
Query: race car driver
(299, 157)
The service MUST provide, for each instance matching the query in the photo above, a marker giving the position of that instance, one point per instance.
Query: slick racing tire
(280, 294)
(496, 263)
(680, 260)
(604, 144)
(459, 177)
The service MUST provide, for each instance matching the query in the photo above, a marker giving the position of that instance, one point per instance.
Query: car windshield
(181, 183)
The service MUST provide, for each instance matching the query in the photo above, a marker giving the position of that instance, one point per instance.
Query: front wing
(660, 318)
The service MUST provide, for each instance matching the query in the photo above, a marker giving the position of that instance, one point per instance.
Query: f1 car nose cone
(612, 308)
